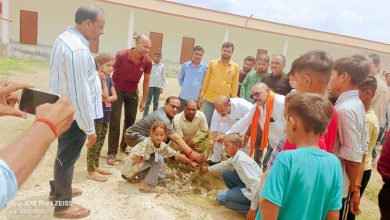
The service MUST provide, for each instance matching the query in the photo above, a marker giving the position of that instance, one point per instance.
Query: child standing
(305, 183)
(105, 66)
(156, 82)
(351, 141)
(366, 94)
(149, 154)
(243, 180)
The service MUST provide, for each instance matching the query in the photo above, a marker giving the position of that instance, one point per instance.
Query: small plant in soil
(203, 142)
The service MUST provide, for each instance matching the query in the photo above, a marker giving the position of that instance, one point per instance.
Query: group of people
(299, 145)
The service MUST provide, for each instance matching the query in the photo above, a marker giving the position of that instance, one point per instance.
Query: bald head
(222, 105)
(259, 87)
(260, 93)
(142, 44)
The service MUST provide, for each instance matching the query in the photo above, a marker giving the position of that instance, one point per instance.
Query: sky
(363, 19)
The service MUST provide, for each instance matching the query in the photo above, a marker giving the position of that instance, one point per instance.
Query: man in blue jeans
(156, 82)
(243, 181)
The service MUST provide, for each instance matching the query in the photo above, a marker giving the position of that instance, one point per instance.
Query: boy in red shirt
(311, 73)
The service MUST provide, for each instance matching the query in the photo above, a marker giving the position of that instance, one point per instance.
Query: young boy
(351, 141)
(305, 183)
(311, 73)
(156, 82)
(243, 181)
(366, 94)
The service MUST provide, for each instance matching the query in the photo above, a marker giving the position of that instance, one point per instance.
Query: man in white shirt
(262, 95)
(227, 112)
(189, 121)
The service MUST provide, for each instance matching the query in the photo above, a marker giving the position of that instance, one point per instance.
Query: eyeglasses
(174, 106)
(256, 94)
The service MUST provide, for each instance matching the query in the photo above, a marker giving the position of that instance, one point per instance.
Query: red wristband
(189, 154)
(52, 126)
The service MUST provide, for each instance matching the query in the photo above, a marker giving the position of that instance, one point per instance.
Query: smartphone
(31, 98)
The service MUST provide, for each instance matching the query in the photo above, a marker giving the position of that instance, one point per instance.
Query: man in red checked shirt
(129, 66)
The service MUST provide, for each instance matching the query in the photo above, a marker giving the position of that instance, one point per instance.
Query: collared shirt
(185, 128)
(157, 77)
(145, 149)
(73, 73)
(351, 143)
(276, 128)
(248, 171)
(239, 107)
(381, 100)
(143, 126)
(279, 84)
(250, 80)
(191, 79)
(127, 74)
(8, 183)
(220, 79)
(372, 127)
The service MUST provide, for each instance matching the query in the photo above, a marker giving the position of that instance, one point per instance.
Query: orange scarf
(255, 123)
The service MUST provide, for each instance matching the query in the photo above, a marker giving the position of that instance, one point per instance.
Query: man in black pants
(129, 66)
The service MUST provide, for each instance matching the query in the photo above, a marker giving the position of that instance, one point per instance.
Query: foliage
(203, 142)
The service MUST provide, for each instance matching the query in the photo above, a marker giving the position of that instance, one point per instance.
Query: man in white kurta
(227, 112)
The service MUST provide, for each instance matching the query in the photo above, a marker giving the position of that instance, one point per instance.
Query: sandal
(111, 160)
(131, 180)
(153, 190)
(99, 178)
(73, 212)
(75, 192)
(103, 171)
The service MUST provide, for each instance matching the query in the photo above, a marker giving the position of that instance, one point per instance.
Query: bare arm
(113, 96)
(145, 91)
(37, 139)
(333, 215)
(268, 210)
(184, 147)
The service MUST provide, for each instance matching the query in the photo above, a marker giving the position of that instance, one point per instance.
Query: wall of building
(55, 15)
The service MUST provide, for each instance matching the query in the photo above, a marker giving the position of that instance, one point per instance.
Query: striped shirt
(73, 73)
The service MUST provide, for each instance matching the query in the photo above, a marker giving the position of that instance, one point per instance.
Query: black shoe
(211, 163)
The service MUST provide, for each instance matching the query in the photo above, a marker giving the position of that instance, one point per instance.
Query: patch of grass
(9, 65)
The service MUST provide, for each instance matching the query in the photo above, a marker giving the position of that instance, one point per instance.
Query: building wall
(55, 15)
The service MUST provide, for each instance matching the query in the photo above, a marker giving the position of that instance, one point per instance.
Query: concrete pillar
(5, 23)
(226, 36)
(130, 32)
(285, 47)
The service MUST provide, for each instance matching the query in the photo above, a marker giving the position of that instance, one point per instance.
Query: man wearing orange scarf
(267, 113)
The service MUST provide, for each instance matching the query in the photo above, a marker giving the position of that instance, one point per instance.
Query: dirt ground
(115, 198)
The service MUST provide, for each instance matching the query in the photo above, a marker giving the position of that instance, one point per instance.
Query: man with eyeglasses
(227, 112)
(141, 130)
(266, 112)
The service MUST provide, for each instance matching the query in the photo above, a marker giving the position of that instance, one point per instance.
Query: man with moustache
(278, 81)
(188, 122)
(221, 79)
(254, 76)
(247, 67)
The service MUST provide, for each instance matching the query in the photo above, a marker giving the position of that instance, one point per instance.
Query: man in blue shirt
(191, 77)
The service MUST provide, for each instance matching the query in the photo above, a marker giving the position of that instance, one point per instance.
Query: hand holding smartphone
(31, 98)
